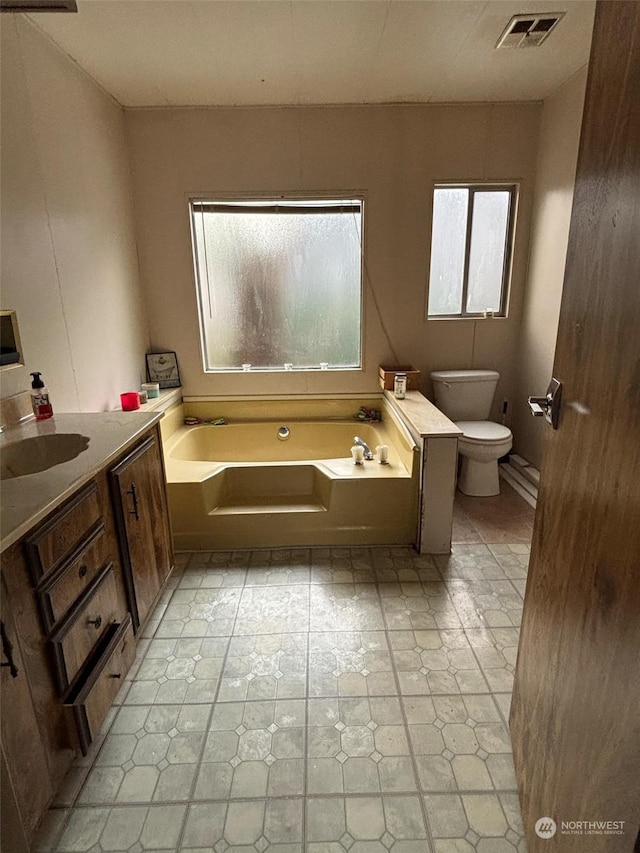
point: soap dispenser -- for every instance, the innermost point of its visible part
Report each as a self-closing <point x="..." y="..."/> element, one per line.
<point x="42" y="408"/>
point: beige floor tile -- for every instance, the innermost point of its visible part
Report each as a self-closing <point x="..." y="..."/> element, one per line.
<point x="325" y="700"/>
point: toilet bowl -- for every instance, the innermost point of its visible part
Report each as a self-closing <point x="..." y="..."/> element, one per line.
<point x="483" y="443"/>
<point x="465" y="396"/>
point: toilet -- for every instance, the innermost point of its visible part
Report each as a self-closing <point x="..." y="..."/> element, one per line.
<point x="465" y="396"/>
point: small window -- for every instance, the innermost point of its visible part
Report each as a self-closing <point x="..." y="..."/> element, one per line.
<point x="471" y="242"/>
<point x="279" y="283"/>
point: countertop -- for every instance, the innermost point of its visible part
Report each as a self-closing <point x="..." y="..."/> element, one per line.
<point x="423" y="418"/>
<point x="25" y="501"/>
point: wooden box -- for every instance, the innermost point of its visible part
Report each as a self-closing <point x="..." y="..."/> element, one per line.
<point x="387" y="375"/>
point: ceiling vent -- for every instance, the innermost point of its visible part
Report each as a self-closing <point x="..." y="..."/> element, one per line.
<point x="38" y="6"/>
<point x="528" y="30"/>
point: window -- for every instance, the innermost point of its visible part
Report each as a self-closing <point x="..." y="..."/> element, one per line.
<point x="279" y="283"/>
<point x="471" y="242"/>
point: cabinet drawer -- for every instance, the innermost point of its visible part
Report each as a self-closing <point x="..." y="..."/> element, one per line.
<point x="87" y="703"/>
<point x="48" y="546"/>
<point x="59" y="589"/>
<point x="81" y="631"/>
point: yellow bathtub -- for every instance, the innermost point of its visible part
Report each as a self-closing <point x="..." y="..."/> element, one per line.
<point x="241" y="486"/>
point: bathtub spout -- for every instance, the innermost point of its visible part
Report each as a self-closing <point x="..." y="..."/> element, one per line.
<point x="367" y="450"/>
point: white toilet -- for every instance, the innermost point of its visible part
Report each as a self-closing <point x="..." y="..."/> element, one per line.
<point x="465" y="396"/>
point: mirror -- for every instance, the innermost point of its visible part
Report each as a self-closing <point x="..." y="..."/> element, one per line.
<point x="10" y="349"/>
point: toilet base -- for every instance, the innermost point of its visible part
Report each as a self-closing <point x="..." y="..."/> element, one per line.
<point x="479" y="479"/>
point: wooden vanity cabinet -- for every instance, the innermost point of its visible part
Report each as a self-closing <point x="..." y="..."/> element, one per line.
<point x="140" y="503"/>
<point x="74" y="588"/>
<point x="27" y="786"/>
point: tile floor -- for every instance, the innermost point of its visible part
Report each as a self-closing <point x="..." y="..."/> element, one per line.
<point x="503" y="519"/>
<point x="325" y="700"/>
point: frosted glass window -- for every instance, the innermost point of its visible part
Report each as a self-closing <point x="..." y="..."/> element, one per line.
<point x="471" y="241"/>
<point x="487" y="252"/>
<point x="448" y="239"/>
<point x="279" y="283"/>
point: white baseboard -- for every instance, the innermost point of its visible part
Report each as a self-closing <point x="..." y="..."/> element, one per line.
<point x="511" y="476"/>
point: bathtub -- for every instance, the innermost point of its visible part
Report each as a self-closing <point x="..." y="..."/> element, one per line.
<point x="240" y="486"/>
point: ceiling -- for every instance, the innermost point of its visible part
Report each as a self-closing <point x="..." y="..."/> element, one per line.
<point x="259" y="52"/>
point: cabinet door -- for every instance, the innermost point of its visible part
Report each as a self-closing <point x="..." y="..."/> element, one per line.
<point x="27" y="783"/>
<point x="143" y="524"/>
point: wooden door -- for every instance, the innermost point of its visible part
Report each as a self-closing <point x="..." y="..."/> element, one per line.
<point x="143" y="524"/>
<point x="575" y="719"/>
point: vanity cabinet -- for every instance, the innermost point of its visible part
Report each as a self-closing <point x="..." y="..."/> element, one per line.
<point x="140" y="502"/>
<point x="26" y="782"/>
<point x="75" y="589"/>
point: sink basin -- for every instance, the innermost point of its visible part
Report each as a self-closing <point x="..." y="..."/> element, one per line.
<point x="32" y="455"/>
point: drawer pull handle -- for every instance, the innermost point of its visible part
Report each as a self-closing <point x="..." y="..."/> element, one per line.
<point x="134" y="496"/>
<point x="115" y="675"/>
<point x="97" y="622"/>
<point x="7" y="651"/>
<point x="82" y="571"/>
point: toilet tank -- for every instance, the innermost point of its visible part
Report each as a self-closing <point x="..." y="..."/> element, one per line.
<point x="465" y="395"/>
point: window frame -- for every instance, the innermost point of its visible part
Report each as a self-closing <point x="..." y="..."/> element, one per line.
<point x="261" y="199"/>
<point x="473" y="187"/>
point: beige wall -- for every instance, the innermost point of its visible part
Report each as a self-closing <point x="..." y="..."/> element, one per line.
<point x="393" y="154"/>
<point x="557" y="158"/>
<point x="69" y="265"/>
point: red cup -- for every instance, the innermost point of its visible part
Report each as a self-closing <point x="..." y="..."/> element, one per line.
<point x="130" y="401"/>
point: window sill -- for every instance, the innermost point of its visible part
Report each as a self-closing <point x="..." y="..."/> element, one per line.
<point x="266" y="371"/>
<point x="471" y="317"/>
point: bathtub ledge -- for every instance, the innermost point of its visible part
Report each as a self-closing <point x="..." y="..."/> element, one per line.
<point x="422" y="417"/>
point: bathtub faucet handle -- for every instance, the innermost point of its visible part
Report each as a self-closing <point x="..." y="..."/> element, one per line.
<point x="368" y="454"/>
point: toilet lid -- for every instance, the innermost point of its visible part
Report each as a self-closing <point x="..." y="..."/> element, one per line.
<point x="484" y="430"/>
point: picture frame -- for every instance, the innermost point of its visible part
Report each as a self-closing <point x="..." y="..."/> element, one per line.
<point x="162" y="367"/>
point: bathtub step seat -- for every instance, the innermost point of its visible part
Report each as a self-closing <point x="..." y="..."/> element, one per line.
<point x="267" y="489"/>
<point x="271" y="504"/>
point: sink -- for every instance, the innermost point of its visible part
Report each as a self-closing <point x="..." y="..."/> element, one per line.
<point x="32" y="455"/>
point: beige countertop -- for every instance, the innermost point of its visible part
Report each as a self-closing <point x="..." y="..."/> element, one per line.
<point x="168" y="396"/>
<point x="26" y="500"/>
<point x="422" y="416"/>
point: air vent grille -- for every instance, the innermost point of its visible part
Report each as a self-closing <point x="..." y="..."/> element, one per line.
<point x="38" y="6"/>
<point x="528" y="30"/>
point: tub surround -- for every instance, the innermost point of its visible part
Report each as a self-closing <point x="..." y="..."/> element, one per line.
<point x="25" y="501"/>
<point x="437" y="437"/>
<point x="237" y="486"/>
